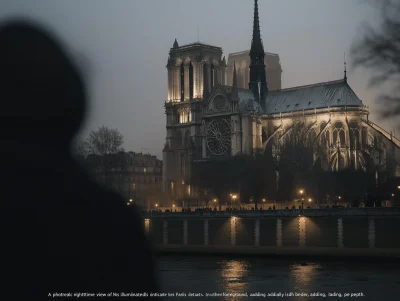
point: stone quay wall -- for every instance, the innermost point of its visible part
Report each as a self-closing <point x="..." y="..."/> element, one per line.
<point x="370" y="232"/>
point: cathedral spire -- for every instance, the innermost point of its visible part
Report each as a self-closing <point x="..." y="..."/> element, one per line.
<point x="234" y="80"/>
<point x="258" y="78"/>
<point x="176" y="45"/>
<point x="256" y="43"/>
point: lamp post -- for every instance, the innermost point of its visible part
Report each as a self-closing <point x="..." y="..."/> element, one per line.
<point x="263" y="204"/>
<point x="234" y="197"/>
<point x="309" y="200"/>
<point x="301" y="191"/>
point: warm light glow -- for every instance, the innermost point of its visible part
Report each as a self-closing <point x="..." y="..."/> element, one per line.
<point x="128" y="204"/>
<point x="263" y="200"/>
<point x="340" y="197"/>
<point x="215" y="200"/>
<point x="173" y="205"/>
<point x="234" y="196"/>
<point x="301" y="191"/>
<point x="156" y="205"/>
<point x="144" y="170"/>
<point x="310" y="200"/>
<point x="398" y="187"/>
<point x="392" y="194"/>
<point x="183" y="182"/>
<point x="130" y="201"/>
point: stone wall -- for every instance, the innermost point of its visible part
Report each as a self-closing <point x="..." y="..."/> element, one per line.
<point x="313" y="235"/>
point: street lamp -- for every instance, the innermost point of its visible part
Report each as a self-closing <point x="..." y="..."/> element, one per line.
<point x="301" y="196"/>
<point x="130" y="201"/>
<point x="233" y="197"/>
<point x="398" y="187"/>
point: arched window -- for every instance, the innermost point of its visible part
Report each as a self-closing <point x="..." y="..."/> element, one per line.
<point x="182" y="83"/>
<point x="364" y="137"/>
<point x="354" y="135"/>
<point x="339" y="137"/>
<point x="325" y="140"/>
<point x="191" y="80"/>
<point x="205" y="77"/>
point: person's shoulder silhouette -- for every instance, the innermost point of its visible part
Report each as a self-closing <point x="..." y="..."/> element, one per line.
<point x="62" y="232"/>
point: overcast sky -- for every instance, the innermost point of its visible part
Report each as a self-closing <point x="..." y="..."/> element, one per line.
<point x="127" y="44"/>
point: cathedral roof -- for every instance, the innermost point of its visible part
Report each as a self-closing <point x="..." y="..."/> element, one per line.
<point x="322" y="95"/>
<point x="329" y="94"/>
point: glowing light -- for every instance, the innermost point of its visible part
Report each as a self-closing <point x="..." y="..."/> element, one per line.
<point x="398" y="187"/>
<point x="234" y="196"/>
<point x="156" y="205"/>
<point x="263" y="200"/>
<point x="392" y="194"/>
<point x="340" y="197"/>
<point x="310" y="200"/>
<point x="128" y="204"/>
<point x="215" y="200"/>
<point x="301" y="191"/>
<point x="130" y="201"/>
<point x="173" y="205"/>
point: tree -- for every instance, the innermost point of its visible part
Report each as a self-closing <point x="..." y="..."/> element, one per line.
<point x="380" y="51"/>
<point x="106" y="144"/>
<point x="105" y="141"/>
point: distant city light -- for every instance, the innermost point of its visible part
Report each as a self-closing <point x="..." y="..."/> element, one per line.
<point x="215" y="200"/>
<point x="130" y="201"/>
<point x="263" y="200"/>
<point x="156" y="205"/>
<point x="310" y="200"/>
<point x="301" y="191"/>
<point x="173" y="205"/>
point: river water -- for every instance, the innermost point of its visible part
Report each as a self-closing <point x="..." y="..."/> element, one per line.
<point x="261" y="278"/>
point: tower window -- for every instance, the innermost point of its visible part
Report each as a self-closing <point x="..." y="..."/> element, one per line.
<point x="191" y="80"/>
<point x="182" y="83"/>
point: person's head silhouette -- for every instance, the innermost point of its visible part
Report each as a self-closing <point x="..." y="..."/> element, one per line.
<point x="43" y="97"/>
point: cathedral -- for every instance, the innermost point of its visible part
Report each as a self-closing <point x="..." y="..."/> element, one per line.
<point x="208" y="119"/>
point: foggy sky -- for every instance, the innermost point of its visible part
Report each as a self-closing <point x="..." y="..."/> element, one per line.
<point x="125" y="44"/>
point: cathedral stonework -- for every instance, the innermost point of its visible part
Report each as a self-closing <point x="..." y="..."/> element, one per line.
<point x="207" y="119"/>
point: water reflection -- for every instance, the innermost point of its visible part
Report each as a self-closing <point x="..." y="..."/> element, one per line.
<point x="209" y="274"/>
<point x="303" y="276"/>
<point x="234" y="274"/>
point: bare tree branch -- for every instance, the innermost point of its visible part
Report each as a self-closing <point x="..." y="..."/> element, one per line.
<point x="379" y="49"/>
<point x="105" y="141"/>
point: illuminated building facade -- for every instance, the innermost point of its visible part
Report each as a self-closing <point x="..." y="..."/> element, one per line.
<point x="207" y="119"/>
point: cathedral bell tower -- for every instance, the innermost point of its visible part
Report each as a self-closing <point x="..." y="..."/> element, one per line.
<point x="193" y="70"/>
<point x="258" y="81"/>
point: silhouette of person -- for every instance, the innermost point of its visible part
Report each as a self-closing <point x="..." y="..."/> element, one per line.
<point x="61" y="231"/>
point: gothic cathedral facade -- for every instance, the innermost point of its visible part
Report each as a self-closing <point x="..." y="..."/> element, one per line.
<point x="207" y="119"/>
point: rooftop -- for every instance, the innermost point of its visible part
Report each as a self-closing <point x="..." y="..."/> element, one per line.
<point x="248" y="51"/>
<point x="195" y="45"/>
<point x="321" y="95"/>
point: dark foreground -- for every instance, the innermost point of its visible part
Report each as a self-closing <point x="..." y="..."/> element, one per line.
<point x="366" y="280"/>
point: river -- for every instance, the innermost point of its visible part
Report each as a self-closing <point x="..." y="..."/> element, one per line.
<point x="276" y="278"/>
